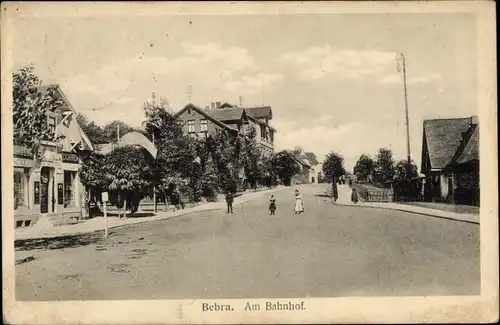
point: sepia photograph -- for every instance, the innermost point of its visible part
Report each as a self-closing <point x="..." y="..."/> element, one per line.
<point x="272" y="162"/>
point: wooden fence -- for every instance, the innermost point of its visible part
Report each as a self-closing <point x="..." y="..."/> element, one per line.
<point x="367" y="194"/>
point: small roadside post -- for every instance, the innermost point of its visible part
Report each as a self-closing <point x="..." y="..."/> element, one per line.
<point x="105" y="199"/>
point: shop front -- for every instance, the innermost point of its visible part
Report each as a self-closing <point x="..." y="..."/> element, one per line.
<point x="47" y="188"/>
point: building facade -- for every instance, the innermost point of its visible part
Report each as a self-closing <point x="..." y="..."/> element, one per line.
<point x="450" y="160"/>
<point x="236" y="120"/>
<point x="47" y="189"/>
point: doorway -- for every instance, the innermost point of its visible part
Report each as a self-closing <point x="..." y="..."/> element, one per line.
<point x="313" y="180"/>
<point x="44" y="189"/>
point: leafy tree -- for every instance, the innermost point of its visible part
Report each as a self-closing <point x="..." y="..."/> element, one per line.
<point x="383" y="168"/>
<point x="225" y="150"/>
<point x="95" y="133"/>
<point x="363" y="167"/>
<point x="30" y="106"/>
<point x="176" y="162"/>
<point x="405" y="172"/>
<point x="252" y="159"/>
<point x="110" y="130"/>
<point x="285" y="166"/>
<point x="333" y="166"/>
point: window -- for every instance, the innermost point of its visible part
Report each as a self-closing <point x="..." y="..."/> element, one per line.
<point x="202" y="134"/>
<point x="19" y="188"/>
<point x="51" y="121"/>
<point x="191" y="126"/>
<point x="68" y="188"/>
<point x="262" y="132"/>
<point x="203" y="125"/>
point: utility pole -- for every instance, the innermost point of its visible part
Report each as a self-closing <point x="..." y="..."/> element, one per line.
<point x="401" y="58"/>
<point x="189" y="92"/>
<point x="154" y="186"/>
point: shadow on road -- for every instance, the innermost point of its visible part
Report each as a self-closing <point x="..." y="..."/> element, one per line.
<point x="58" y="242"/>
<point x="323" y="195"/>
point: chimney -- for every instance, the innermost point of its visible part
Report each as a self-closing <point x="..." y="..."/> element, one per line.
<point x="474" y="120"/>
<point x="212" y="105"/>
<point x="217" y="104"/>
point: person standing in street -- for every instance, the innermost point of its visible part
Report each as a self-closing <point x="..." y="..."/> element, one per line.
<point x="229" y="201"/>
<point x="299" y="202"/>
<point x="335" y="191"/>
<point x="272" y="204"/>
<point x="354" y="196"/>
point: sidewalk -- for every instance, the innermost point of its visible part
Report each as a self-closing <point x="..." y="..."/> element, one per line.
<point x="345" y="199"/>
<point x="39" y="231"/>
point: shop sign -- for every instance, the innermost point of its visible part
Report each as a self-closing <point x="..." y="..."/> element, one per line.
<point x="22" y="162"/>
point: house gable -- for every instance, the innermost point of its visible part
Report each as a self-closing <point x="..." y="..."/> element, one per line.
<point x="67" y="124"/>
<point x="442" y="140"/>
<point x="205" y="114"/>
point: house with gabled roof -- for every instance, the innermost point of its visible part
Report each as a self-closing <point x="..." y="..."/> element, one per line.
<point x="47" y="188"/>
<point x="316" y="172"/>
<point x="450" y="160"/>
<point x="236" y="120"/>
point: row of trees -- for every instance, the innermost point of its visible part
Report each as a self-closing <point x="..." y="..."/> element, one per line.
<point x="195" y="167"/>
<point x="384" y="169"/>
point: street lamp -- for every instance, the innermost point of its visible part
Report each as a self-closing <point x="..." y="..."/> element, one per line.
<point x="401" y="61"/>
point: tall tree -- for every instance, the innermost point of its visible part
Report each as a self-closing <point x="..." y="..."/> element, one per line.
<point x="404" y="171"/>
<point x="285" y="166"/>
<point x="226" y="150"/>
<point x="333" y="168"/>
<point x="177" y="153"/>
<point x="95" y="132"/>
<point x="30" y="106"/>
<point x="112" y="128"/>
<point x="383" y="168"/>
<point x="363" y="167"/>
<point x="252" y="158"/>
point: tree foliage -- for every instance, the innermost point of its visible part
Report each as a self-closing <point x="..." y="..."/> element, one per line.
<point x="333" y="166"/>
<point x="284" y="166"/>
<point x="252" y="158"/>
<point x="30" y="107"/>
<point x="226" y="150"/>
<point x="405" y="172"/>
<point x="363" y="167"/>
<point x="383" y="167"/>
<point x="93" y="131"/>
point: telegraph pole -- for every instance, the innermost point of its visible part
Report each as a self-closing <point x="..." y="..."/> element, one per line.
<point x="189" y="92"/>
<point x="401" y="58"/>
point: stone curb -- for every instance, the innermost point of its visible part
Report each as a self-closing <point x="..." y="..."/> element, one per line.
<point x="410" y="211"/>
<point x="183" y="213"/>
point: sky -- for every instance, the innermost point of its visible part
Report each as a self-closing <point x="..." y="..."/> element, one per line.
<point x="331" y="79"/>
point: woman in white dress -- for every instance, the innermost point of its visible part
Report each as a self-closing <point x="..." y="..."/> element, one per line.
<point x="299" y="202"/>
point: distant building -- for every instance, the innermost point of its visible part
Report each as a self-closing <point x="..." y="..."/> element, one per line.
<point x="236" y="120"/>
<point x="450" y="160"/>
<point x="316" y="172"/>
<point x="49" y="188"/>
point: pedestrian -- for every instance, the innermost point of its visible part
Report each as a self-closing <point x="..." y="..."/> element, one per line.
<point x="272" y="204"/>
<point x="299" y="202"/>
<point x="229" y="201"/>
<point x="354" y="196"/>
<point x="335" y="192"/>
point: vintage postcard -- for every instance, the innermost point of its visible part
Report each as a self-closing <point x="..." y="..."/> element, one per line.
<point x="249" y="162"/>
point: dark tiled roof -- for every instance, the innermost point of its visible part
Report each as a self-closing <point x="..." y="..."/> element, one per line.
<point x="470" y="150"/>
<point x="444" y="137"/>
<point x="312" y="158"/>
<point x="226" y="114"/>
<point x="206" y="114"/>
<point x="260" y="112"/>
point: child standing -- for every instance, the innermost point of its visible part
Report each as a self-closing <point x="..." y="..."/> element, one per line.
<point x="272" y="204"/>
<point x="229" y="201"/>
